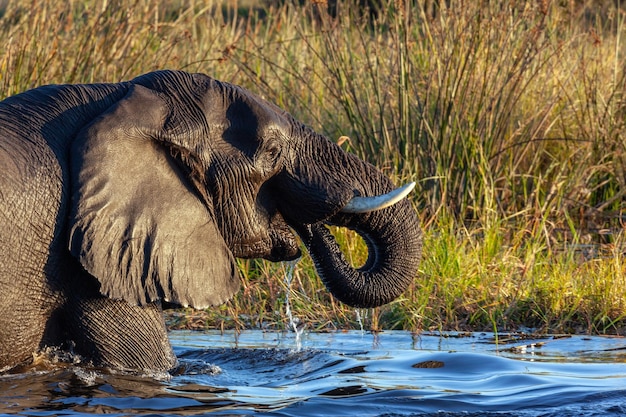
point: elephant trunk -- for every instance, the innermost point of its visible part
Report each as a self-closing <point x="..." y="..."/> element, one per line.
<point x="323" y="185"/>
<point x="393" y="239"/>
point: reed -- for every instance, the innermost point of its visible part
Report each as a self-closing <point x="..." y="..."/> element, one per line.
<point x="510" y="116"/>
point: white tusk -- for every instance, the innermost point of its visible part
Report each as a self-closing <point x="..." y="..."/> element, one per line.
<point x="367" y="204"/>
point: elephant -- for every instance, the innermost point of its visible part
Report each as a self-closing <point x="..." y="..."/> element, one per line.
<point x="116" y="198"/>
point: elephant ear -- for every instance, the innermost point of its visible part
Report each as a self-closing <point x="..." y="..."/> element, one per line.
<point x="136" y="223"/>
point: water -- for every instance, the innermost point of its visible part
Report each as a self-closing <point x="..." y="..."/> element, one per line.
<point x="344" y="374"/>
<point x="293" y="321"/>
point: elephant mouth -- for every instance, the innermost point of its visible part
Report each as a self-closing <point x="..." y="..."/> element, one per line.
<point x="285" y="246"/>
<point x="280" y="245"/>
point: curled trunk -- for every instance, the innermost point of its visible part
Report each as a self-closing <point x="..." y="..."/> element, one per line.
<point x="394" y="242"/>
<point x="320" y="187"/>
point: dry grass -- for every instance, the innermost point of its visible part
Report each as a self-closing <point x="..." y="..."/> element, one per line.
<point x="509" y="115"/>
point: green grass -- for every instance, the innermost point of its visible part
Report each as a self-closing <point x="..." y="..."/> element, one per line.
<point x="511" y="117"/>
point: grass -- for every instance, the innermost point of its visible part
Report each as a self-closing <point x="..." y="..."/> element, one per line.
<point x="509" y="115"/>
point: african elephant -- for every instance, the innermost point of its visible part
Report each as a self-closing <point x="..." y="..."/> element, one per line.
<point x="117" y="197"/>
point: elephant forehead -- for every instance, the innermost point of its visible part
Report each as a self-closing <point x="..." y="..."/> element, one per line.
<point x="225" y="102"/>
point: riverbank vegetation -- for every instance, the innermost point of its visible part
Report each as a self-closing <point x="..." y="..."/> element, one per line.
<point x="509" y="115"/>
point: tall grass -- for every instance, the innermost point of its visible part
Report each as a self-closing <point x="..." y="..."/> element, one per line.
<point x="510" y="116"/>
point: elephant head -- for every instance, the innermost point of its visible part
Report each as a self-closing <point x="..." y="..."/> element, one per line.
<point x="185" y="173"/>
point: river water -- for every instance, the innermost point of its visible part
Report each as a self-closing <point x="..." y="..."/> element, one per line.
<point x="343" y="374"/>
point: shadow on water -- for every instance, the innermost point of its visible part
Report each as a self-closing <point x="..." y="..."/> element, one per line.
<point x="344" y="374"/>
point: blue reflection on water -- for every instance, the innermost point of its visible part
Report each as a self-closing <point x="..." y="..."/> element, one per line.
<point x="345" y="374"/>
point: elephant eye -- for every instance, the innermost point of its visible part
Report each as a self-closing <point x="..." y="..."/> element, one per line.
<point x="273" y="152"/>
<point x="273" y="157"/>
<point x="270" y="151"/>
<point x="268" y="160"/>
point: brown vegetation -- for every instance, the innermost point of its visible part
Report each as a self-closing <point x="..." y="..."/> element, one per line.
<point x="509" y="115"/>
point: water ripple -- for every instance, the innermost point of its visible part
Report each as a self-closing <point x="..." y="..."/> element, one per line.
<point x="344" y="374"/>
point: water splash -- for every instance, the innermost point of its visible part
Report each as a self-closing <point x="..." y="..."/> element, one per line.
<point x="294" y="322"/>
<point x="359" y="319"/>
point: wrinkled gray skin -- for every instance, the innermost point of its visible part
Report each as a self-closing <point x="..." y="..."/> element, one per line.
<point x="116" y="197"/>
